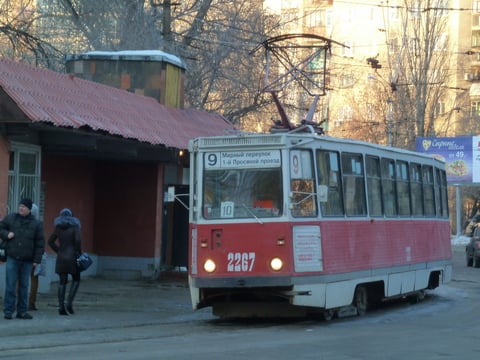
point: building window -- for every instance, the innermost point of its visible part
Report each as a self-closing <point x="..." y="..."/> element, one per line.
<point x="393" y="13"/>
<point x="346" y="80"/>
<point x="439" y="109"/>
<point x="476" y="6"/>
<point x="315" y="19"/>
<point x="475" y="38"/>
<point x="347" y="50"/>
<point x="345" y="113"/>
<point x="23" y="174"/>
<point x="442" y="8"/>
<point x="393" y="45"/>
<point x="475" y="108"/>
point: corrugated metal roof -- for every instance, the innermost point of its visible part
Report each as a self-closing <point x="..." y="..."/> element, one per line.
<point x="67" y="101"/>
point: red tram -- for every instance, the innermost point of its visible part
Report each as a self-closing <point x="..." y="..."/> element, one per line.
<point x="290" y="223"/>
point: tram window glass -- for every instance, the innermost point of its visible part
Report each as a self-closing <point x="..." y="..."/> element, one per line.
<point x="416" y="189"/>
<point x="443" y="192"/>
<point x="389" y="187"/>
<point x="403" y="191"/>
<point x="428" y="190"/>
<point x="302" y="184"/>
<point x="242" y="193"/>
<point x="353" y="184"/>
<point x="374" y="186"/>
<point x="328" y="165"/>
<point x="437" y="191"/>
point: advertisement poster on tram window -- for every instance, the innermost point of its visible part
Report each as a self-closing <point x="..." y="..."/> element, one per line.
<point x="461" y="155"/>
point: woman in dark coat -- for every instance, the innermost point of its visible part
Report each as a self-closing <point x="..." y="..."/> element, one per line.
<point x="66" y="242"/>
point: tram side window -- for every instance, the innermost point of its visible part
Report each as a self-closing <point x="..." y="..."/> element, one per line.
<point x="389" y="187"/>
<point x="442" y="183"/>
<point x="403" y="190"/>
<point x="428" y="190"/>
<point x="302" y="184"/>
<point x="374" y="186"/>
<point x="353" y="184"/>
<point x="416" y="189"/>
<point x="328" y="164"/>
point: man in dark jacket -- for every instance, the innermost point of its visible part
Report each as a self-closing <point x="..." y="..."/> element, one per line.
<point x="25" y="245"/>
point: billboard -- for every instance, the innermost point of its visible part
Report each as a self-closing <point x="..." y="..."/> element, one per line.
<point x="461" y="155"/>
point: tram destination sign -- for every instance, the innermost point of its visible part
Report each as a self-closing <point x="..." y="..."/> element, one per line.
<point x="461" y="155"/>
<point x="242" y="159"/>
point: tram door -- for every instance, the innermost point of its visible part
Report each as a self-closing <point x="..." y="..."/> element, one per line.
<point x="175" y="234"/>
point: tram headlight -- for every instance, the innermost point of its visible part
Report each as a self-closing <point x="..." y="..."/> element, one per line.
<point x="276" y="264"/>
<point x="209" y="266"/>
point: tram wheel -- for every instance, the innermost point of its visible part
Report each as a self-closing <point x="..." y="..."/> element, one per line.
<point x="476" y="262"/>
<point x="417" y="297"/>
<point x="469" y="260"/>
<point x="329" y="314"/>
<point x="360" y="300"/>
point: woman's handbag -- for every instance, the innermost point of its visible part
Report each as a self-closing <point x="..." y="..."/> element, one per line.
<point x="84" y="261"/>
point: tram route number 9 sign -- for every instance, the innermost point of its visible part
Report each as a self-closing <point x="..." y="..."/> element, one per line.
<point x="242" y="159"/>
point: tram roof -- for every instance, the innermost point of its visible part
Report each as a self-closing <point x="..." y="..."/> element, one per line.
<point x="247" y="141"/>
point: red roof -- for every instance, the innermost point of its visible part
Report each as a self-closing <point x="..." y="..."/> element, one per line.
<point x="64" y="100"/>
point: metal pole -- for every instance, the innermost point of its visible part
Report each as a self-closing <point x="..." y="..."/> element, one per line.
<point x="458" y="206"/>
<point x="389" y="122"/>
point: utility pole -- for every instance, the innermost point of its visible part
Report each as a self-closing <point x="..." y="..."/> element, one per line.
<point x="167" y="24"/>
<point x="375" y="64"/>
<point x="390" y="121"/>
<point x="167" y="36"/>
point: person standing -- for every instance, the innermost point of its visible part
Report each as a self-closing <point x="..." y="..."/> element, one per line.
<point x="66" y="242"/>
<point x="25" y="245"/>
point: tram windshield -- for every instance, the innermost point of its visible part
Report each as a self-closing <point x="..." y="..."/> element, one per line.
<point x="243" y="192"/>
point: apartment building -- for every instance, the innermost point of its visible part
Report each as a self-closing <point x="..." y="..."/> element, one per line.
<point x="379" y="65"/>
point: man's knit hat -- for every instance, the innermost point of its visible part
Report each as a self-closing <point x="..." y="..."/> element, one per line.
<point x="27" y="202"/>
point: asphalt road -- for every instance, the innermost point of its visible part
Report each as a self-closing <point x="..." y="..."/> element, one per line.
<point x="153" y="320"/>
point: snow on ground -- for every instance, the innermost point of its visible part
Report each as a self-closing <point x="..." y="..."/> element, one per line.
<point x="460" y="240"/>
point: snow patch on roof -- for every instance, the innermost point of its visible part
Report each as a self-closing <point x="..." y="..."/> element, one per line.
<point x="130" y="55"/>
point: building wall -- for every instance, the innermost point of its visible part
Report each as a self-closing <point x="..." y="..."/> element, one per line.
<point x="146" y="75"/>
<point x="4" y="164"/>
<point x="128" y="217"/>
<point x="125" y="209"/>
<point x="69" y="183"/>
<point x="117" y="204"/>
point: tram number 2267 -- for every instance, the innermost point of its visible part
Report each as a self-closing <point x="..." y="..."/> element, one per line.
<point x="240" y="261"/>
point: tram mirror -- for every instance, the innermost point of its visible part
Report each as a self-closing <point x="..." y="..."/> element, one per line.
<point x="170" y="194"/>
<point x="322" y="192"/>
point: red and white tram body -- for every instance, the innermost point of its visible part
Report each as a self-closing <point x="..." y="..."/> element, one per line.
<point x="288" y="223"/>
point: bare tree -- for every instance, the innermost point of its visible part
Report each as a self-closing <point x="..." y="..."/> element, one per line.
<point x="223" y="77"/>
<point x="418" y="62"/>
<point x="407" y="83"/>
<point x="213" y="37"/>
<point x="18" y="37"/>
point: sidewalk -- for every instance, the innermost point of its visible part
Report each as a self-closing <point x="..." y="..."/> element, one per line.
<point x="104" y="303"/>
